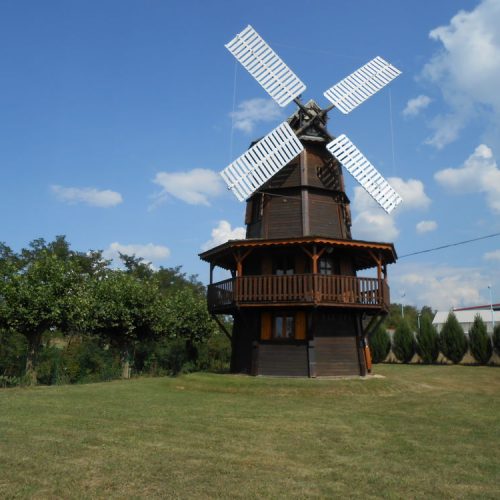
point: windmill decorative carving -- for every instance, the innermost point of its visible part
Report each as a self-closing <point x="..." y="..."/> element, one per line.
<point x="299" y="307"/>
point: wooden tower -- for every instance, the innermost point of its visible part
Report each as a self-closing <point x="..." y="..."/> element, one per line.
<point x="298" y="304"/>
<point x="299" y="307"/>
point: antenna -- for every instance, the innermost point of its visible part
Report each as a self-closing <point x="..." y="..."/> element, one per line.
<point x="262" y="161"/>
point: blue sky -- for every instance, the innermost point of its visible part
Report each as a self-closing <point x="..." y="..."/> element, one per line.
<point x="116" y="116"/>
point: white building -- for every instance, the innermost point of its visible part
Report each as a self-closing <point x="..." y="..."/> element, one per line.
<point x="466" y="315"/>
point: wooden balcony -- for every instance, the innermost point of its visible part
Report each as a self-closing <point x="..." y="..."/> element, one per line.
<point x="298" y="290"/>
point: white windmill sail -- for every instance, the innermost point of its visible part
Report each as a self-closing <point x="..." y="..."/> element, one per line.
<point x="277" y="79"/>
<point x="255" y="167"/>
<point x="364" y="172"/>
<point x="353" y="90"/>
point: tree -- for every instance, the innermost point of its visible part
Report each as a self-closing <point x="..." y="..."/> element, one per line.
<point x="496" y="338"/>
<point x="127" y="310"/>
<point x="380" y="344"/>
<point x="427" y="340"/>
<point x="403" y="342"/>
<point x="452" y="339"/>
<point x="479" y="341"/>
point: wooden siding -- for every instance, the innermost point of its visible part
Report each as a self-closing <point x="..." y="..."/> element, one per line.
<point x="285" y="360"/>
<point x="336" y="356"/>
<point x="325" y="217"/>
<point x="283" y="216"/>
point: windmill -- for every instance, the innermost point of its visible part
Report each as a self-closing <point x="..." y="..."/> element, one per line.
<point x="257" y="165"/>
<point x="298" y="305"/>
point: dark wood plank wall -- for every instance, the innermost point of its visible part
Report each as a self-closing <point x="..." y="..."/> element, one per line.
<point x="245" y="331"/>
<point x="336" y="356"/>
<point x="286" y="360"/>
<point x="283" y="216"/>
<point x="324" y="217"/>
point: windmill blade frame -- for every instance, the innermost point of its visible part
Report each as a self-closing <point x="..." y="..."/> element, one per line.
<point x="270" y="71"/>
<point x="364" y="172"/>
<point x="257" y="165"/>
<point x="359" y="86"/>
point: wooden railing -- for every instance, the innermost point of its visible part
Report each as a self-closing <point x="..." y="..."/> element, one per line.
<point x="298" y="289"/>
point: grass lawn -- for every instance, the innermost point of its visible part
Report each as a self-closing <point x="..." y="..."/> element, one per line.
<point x="419" y="432"/>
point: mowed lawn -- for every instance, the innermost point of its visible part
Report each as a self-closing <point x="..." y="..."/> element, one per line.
<point x="419" y="432"/>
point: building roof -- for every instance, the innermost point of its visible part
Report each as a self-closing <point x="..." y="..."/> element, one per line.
<point x="467" y="315"/>
<point x="363" y="251"/>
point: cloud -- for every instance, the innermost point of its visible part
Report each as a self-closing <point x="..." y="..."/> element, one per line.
<point x="90" y="196"/>
<point x="494" y="255"/>
<point x="441" y="287"/>
<point x="426" y="226"/>
<point x="194" y="187"/>
<point x="372" y="223"/>
<point x="149" y="252"/>
<point x="417" y="104"/>
<point x="253" y="111"/>
<point x="466" y="68"/>
<point x="479" y="174"/>
<point x="223" y="233"/>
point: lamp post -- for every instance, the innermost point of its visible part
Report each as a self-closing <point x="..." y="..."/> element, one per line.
<point x="403" y="294"/>
<point x="492" y="313"/>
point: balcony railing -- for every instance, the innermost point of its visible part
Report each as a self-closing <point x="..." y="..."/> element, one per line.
<point x="297" y="289"/>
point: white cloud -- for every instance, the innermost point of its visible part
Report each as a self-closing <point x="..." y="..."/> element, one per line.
<point x="417" y="104"/>
<point x="479" y="174"/>
<point x="253" y="111"/>
<point x="441" y="287"/>
<point x="149" y="252"/>
<point x="374" y="225"/>
<point x="90" y="196"/>
<point x="467" y="69"/>
<point x="194" y="187"/>
<point x="426" y="226"/>
<point x="223" y="233"/>
<point x="494" y="255"/>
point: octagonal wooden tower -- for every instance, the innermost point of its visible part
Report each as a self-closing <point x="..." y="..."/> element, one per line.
<point x="298" y="304"/>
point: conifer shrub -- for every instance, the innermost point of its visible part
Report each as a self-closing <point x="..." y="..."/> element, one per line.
<point x="427" y="341"/>
<point x="380" y="344"/>
<point x="496" y="339"/>
<point x="403" y="342"/>
<point x="452" y="340"/>
<point x="479" y="341"/>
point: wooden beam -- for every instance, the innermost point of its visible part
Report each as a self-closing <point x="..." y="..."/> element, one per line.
<point x="222" y="326"/>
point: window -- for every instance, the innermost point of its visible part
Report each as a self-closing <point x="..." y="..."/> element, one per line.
<point x="284" y="326"/>
<point x="327" y="265"/>
<point x="283" y="264"/>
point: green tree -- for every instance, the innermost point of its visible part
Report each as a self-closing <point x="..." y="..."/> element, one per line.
<point x="403" y="342"/>
<point x="479" y="341"/>
<point x="427" y="340"/>
<point x="452" y="339"/>
<point x="380" y="344"/>
<point x="496" y="338"/>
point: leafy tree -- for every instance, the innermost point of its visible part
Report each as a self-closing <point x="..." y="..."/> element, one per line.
<point x="380" y="344"/>
<point x="403" y="343"/>
<point x="452" y="339"/>
<point x="427" y="340"/>
<point x="496" y="338"/>
<point x="127" y="310"/>
<point x="479" y="341"/>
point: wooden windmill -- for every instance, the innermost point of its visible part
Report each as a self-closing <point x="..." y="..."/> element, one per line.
<point x="299" y="307"/>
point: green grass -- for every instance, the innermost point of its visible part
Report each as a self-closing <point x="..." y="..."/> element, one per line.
<point x="419" y="432"/>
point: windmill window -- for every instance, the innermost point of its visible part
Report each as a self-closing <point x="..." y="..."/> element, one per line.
<point x="328" y="265"/>
<point x="283" y="265"/>
<point x="283" y="326"/>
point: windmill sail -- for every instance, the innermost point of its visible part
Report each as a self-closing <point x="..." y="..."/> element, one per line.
<point x="353" y="90"/>
<point x="364" y="172"/>
<point x="255" y="167"/>
<point x="277" y="79"/>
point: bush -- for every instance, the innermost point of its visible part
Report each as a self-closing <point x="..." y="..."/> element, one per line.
<point x="403" y="344"/>
<point x="452" y="340"/>
<point x="496" y="339"/>
<point x="427" y="341"/>
<point x="479" y="341"/>
<point x="380" y="344"/>
<point x="13" y="347"/>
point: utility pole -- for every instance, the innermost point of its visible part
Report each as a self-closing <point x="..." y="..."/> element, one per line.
<point x="492" y="312"/>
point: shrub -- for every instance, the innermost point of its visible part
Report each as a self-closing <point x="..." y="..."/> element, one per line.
<point x="403" y="344"/>
<point x="496" y="339"/>
<point x="427" y="341"/>
<point x="479" y="341"/>
<point x="452" y="340"/>
<point x="380" y="344"/>
<point x="13" y="347"/>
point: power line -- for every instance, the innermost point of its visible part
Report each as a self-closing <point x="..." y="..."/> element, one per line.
<point x="450" y="245"/>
